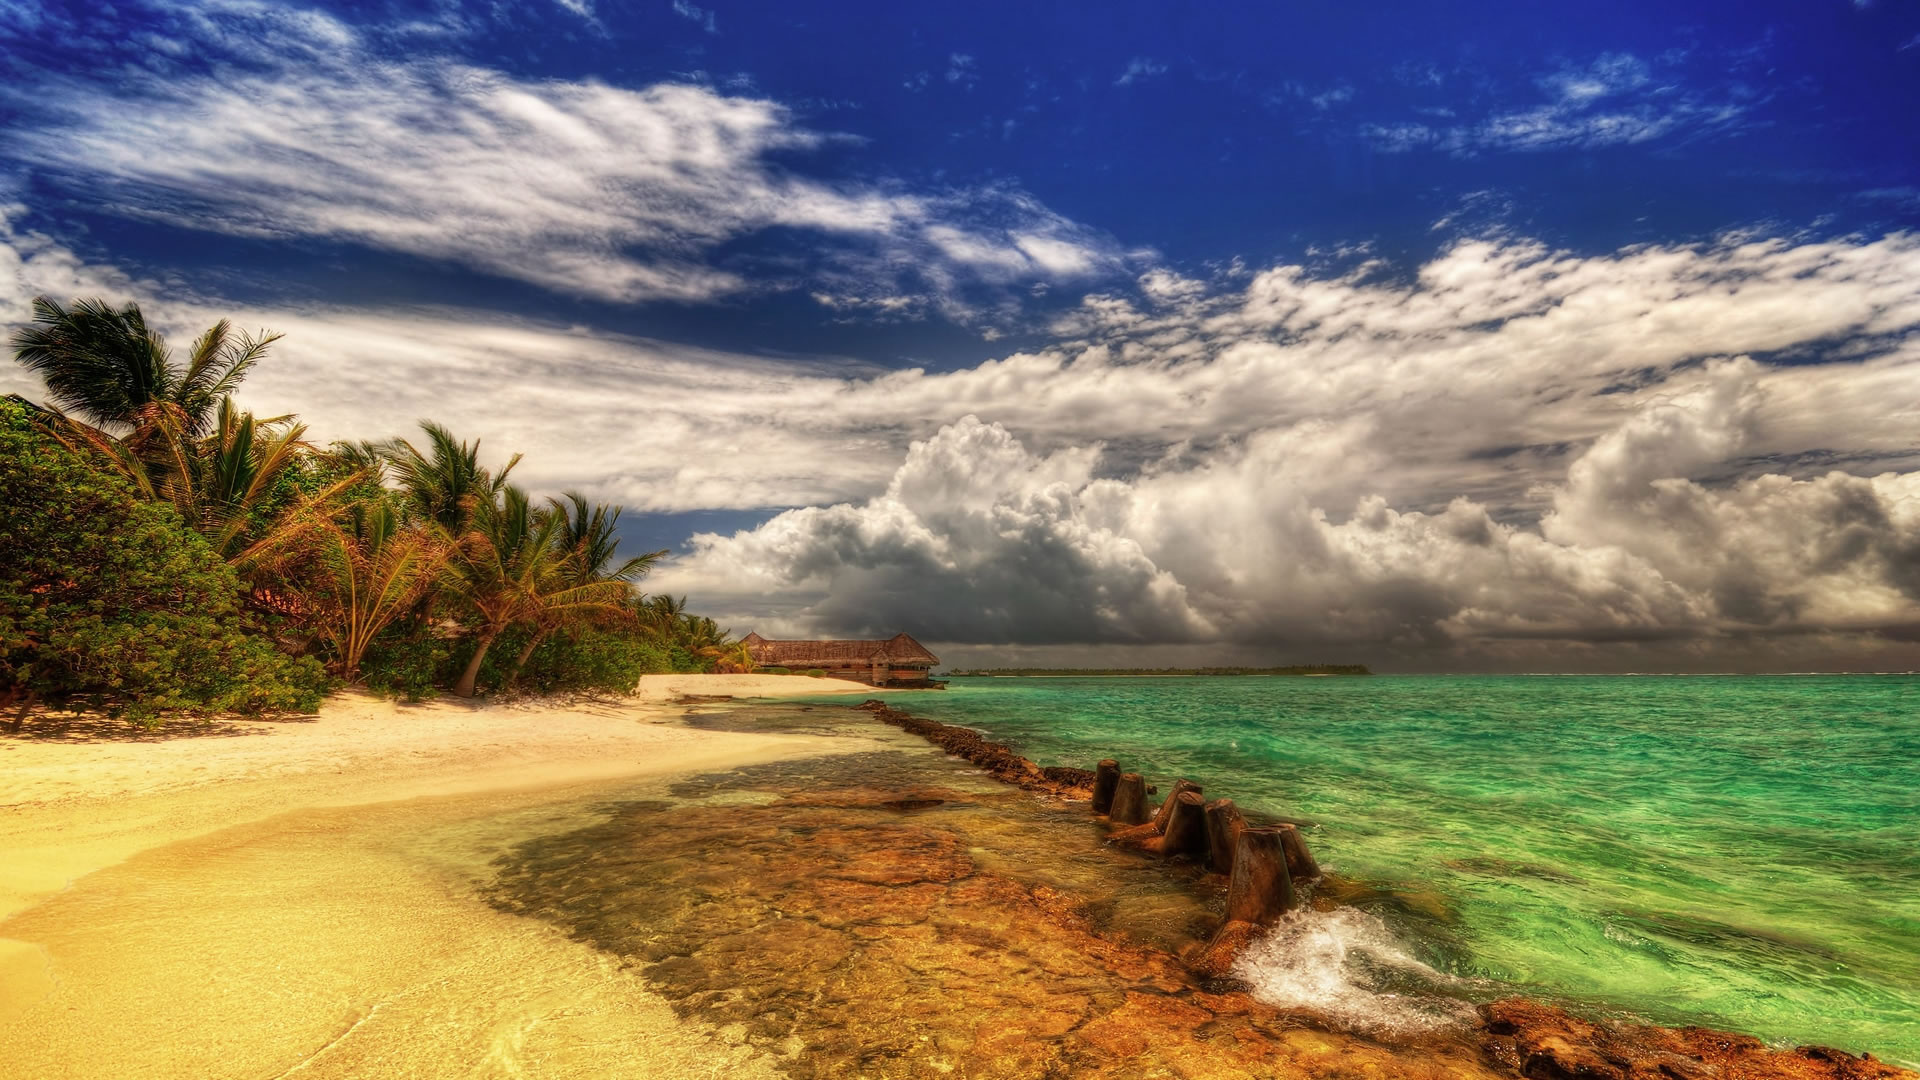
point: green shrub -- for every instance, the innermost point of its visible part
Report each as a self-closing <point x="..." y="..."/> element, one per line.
<point x="779" y="671"/>
<point x="408" y="663"/>
<point x="583" y="660"/>
<point x="112" y="599"/>
<point x="816" y="673"/>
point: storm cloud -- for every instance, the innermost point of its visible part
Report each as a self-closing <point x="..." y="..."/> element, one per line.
<point x="979" y="539"/>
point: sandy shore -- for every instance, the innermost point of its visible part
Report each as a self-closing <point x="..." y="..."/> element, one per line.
<point x="118" y="853"/>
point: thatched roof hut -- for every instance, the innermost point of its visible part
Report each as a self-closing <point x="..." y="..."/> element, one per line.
<point x="898" y="659"/>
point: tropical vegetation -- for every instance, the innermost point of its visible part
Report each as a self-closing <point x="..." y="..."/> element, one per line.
<point x="163" y="550"/>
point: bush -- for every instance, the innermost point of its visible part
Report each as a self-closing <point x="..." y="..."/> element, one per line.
<point x="779" y="671"/>
<point x="113" y="599"/>
<point x="407" y="662"/>
<point x="584" y="660"/>
<point x="816" y="673"/>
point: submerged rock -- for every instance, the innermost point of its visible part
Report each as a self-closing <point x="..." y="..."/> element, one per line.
<point x="1547" y="1043"/>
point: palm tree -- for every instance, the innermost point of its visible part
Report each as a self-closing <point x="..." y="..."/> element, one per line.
<point x="734" y="657"/>
<point x="586" y="543"/>
<point x="244" y="462"/>
<point x="354" y="573"/>
<point x="173" y="431"/>
<point x="447" y="484"/>
<point x="590" y="538"/>
<point x="661" y="615"/>
<point x="108" y="366"/>
<point x="508" y="570"/>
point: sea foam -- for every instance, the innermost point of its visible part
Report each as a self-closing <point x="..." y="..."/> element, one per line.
<point x="1347" y="966"/>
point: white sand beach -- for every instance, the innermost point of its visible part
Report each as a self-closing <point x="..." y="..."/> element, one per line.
<point x="293" y="897"/>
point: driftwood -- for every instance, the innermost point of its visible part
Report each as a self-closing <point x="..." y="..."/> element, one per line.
<point x="1259" y="892"/>
<point x="1300" y="862"/>
<point x="1166" y="808"/>
<point x="1223" y="834"/>
<point x="1129" y="800"/>
<point x="1106" y="778"/>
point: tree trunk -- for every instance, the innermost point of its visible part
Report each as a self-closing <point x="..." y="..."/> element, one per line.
<point x="1106" y="779"/>
<point x="26" y="699"/>
<point x="513" y="677"/>
<point x="1130" y="800"/>
<point x="1223" y="834"/>
<point x="465" y="687"/>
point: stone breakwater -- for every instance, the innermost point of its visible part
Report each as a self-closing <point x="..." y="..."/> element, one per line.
<point x="999" y="761"/>
<point x="1531" y="1039"/>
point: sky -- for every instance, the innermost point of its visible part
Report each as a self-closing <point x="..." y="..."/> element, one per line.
<point x="1436" y="337"/>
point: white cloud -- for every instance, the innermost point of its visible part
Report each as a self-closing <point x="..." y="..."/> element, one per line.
<point x="704" y="16"/>
<point x="1139" y="69"/>
<point x="1615" y="99"/>
<point x="976" y="538"/>
<point x="579" y="187"/>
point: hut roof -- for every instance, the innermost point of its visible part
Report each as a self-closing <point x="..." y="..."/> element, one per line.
<point x="899" y="649"/>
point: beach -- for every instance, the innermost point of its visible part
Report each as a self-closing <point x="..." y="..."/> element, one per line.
<point x="723" y="875"/>
<point x="303" y="880"/>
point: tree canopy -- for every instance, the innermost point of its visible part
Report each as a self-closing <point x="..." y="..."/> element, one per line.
<point x="167" y="550"/>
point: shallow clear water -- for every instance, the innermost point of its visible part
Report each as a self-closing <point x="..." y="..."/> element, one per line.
<point x="1742" y="852"/>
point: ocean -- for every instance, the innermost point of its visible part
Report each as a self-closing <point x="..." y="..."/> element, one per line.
<point x="1732" y="851"/>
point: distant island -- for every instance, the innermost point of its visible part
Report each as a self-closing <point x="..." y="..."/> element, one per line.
<point x="1055" y="673"/>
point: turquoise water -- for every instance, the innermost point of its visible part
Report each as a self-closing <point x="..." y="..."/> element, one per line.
<point x="1741" y="852"/>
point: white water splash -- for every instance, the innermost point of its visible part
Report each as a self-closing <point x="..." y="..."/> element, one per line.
<point x="1346" y="965"/>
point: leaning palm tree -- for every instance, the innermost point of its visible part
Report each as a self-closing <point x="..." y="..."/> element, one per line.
<point x="508" y="572"/>
<point x="586" y="543"/>
<point x="105" y="365"/>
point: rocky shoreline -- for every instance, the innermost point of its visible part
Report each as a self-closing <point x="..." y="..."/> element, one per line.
<point x="1516" y="1036"/>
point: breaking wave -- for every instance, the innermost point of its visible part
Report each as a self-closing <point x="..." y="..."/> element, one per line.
<point x="1347" y="966"/>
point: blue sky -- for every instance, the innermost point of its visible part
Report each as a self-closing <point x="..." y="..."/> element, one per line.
<point x="954" y="318"/>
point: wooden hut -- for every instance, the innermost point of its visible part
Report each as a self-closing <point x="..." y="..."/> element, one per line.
<point x="897" y="661"/>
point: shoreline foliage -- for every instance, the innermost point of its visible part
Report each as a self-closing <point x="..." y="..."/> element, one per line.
<point x="166" y="551"/>
<point x="113" y="601"/>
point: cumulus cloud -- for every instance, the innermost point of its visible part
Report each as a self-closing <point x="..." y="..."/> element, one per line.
<point x="978" y="539"/>
<point x="579" y="187"/>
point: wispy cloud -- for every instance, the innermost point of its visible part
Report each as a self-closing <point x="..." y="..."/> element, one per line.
<point x="1616" y="99"/>
<point x="704" y="16"/>
<point x="579" y="187"/>
<point x="1138" y="69"/>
